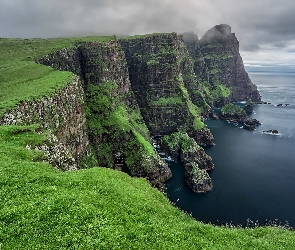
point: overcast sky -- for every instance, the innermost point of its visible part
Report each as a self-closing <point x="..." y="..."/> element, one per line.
<point x="265" y="28"/>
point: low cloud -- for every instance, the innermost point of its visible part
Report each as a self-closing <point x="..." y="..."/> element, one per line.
<point x="258" y="25"/>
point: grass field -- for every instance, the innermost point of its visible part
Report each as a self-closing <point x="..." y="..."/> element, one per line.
<point x="21" y="78"/>
<point x="44" y="208"/>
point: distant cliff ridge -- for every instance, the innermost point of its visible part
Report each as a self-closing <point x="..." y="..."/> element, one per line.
<point x="128" y="90"/>
<point x="219" y="48"/>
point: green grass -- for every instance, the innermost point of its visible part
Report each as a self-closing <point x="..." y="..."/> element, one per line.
<point x="146" y="35"/>
<point x="172" y="100"/>
<point x="44" y="208"/>
<point x="232" y="109"/>
<point x="197" y="123"/>
<point x="21" y="78"/>
<point x="219" y="91"/>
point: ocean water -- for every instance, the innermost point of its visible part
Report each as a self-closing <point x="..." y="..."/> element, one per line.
<point x="254" y="175"/>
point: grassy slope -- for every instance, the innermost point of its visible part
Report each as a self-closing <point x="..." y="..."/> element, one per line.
<point x="43" y="208"/>
<point x="21" y="78"/>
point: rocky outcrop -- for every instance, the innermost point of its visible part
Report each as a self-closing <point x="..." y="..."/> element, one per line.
<point x="193" y="158"/>
<point x="197" y="179"/>
<point x="249" y="107"/>
<point x="271" y="131"/>
<point x="220" y="49"/>
<point x="217" y="60"/>
<point x="235" y="114"/>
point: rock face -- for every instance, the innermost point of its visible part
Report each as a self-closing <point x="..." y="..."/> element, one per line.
<point x="168" y="92"/>
<point x="64" y="115"/>
<point x="193" y="157"/>
<point x="220" y="49"/>
<point x="217" y="60"/>
<point x="156" y="78"/>
<point x="116" y="130"/>
<point x="126" y="91"/>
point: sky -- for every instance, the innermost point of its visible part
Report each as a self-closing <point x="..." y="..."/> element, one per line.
<point x="265" y="28"/>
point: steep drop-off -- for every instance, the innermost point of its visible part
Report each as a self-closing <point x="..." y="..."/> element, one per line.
<point x="154" y="63"/>
<point x="126" y="91"/>
<point x="170" y="96"/>
<point x="160" y="80"/>
<point x="64" y="116"/>
<point x="117" y="133"/>
<point x="219" y="49"/>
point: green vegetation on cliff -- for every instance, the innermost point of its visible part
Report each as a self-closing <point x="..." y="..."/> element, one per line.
<point x="108" y="119"/>
<point x="197" y="123"/>
<point x="178" y="141"/>
<point x="99" y="208"/>
<point x="232" y="109"/>
<point x="21" y="78"/>
<point x="45" y="208"/>
<point x="219" y="91"/>
<point x="160" y="72"/>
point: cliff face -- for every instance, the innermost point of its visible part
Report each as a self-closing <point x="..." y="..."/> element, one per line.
<point x="217" y="60"/>
<point x="126" y="91"/>
<point x="220" y="49"/>
<point x="166" y="88"/>
<point x="163" y="88"/>
<point x="64" y="116"/>
<point x="117" y="133"/>
<point x="156" y="79"/>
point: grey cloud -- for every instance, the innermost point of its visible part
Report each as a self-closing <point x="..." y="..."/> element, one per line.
<point x="257" y="24"/>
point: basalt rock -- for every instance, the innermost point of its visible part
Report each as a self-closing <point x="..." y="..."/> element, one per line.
<point x="220" y="49"/>
<point x="219" y="62"/>
<point x="203" y="137"/>
<point x="193" y="158"/>
<point x="271" y="131"/>
<point x="235" y="114"/>
<point x="197" y="179"/>
<point x="159" y="69"/>
<point x="117" y="132"/>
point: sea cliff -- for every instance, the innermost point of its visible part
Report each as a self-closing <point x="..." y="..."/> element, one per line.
<point x="126" y="91"/>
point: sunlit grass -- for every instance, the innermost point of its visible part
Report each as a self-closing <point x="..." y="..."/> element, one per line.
<point x="44" y="208"/>
<point x="23" y="79"/>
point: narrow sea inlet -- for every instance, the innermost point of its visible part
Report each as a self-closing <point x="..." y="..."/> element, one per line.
<point x="254" y="175"/>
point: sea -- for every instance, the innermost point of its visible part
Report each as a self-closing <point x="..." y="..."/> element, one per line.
<point x="254" y="175"/>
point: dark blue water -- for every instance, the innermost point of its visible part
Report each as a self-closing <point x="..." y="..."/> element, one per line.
<point x="254" y="175"/>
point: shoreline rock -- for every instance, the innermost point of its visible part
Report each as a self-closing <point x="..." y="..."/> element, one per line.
<point x="271" y="131"/>
<point x="193" y="157"/>
<point x="234" y="114"/>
